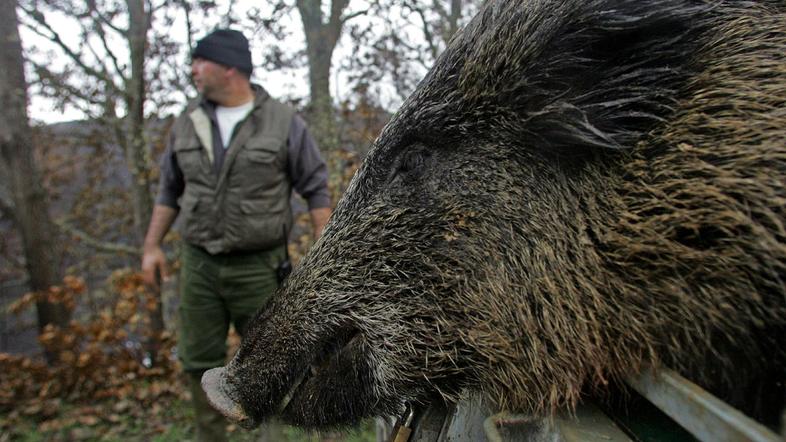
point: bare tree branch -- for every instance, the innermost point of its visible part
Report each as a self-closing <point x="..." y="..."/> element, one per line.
<point x="47" y="75"/>
<point x="103" y="19"/>
<point x="353" y="15"/>
<point x="426" y="28"/>
<point x="189" y="27"/>
<point x="96" y="243"/>
<point x="100" y="66"/>
<point x="102" y="36"/>
<point x="55" y="38"/>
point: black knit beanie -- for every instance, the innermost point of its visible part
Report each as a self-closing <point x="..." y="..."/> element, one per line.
<point x="227" y="47"/>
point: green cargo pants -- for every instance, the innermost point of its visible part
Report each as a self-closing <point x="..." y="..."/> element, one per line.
<point x="216" y="290"/>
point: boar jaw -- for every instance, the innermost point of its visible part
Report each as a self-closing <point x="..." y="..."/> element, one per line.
<point x="334" y="357"/>
<point x="329" y="359"/>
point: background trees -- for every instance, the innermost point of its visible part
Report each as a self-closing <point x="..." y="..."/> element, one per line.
<point x="119" y="73"/>
<point x="24" y="198"/>
<point x="103" y="68"/>
<point x="76" y="196"/>
<point x="400" y="42"/>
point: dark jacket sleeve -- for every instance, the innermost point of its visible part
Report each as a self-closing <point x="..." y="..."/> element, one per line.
<point x="306" y="168"/>
<point x="171" y="182"/>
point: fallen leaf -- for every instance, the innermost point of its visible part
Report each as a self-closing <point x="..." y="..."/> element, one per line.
<point x="89" y="420"/>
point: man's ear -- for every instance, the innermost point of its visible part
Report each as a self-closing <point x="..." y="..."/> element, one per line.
<point x="233" y="72"/>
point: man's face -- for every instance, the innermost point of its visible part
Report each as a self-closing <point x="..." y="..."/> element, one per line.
<point x="209" y="77"/>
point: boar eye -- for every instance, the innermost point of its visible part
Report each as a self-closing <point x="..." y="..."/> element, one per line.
<point x="412" y="161"/>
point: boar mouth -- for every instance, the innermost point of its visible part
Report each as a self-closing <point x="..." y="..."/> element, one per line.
<point x="331" y="351"/>
<point x="222" y="395"/>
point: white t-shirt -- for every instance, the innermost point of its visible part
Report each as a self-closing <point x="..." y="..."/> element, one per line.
<point x="228" y="117"/>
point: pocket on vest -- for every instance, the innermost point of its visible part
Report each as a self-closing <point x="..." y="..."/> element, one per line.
<point x="257" y="168"/>
<point x="260" y="156"/>
<point x="190" y="159"/>
<point x="197" y="223"/>
<point x="262" y="207"/>
<point x="264" y="220"/>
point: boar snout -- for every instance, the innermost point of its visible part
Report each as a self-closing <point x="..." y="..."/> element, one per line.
<point x="219" y="394"/>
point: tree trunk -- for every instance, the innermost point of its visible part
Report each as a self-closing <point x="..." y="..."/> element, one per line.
<point x="321" y="116"/>
<point x="321" y="38"/>
<point x="30" y="211"/>
<point x="453" y="19"/>
<point x="137" y="152"/>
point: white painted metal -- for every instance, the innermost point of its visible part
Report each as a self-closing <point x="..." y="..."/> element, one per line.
<point x="703" y="415"/>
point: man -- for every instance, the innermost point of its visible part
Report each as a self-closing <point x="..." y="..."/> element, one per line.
<point x="232" y="159"/>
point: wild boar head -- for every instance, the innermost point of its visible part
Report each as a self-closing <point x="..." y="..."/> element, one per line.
<point x="577" y="188"/>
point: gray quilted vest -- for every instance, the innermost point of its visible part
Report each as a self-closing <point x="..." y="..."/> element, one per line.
<point x="246" y="205"/>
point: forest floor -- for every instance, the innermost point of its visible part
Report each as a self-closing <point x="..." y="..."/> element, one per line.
<point x="102" y="387"/>
<point x="168" y="420"/>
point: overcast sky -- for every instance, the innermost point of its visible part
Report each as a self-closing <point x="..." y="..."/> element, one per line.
<point x="282" y="84"/>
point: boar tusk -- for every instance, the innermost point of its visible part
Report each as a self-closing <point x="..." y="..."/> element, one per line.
<point x="291" y="392"/>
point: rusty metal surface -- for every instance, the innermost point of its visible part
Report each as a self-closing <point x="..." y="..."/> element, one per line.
<point x="587" y="424"/>
<point x="504" y="427"/>
<point x="466" y="421"/>
<point x="706" y="417"/>
<point x="469" y="421"/>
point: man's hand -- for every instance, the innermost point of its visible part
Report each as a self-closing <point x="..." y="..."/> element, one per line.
<point x="154" y="263"/>
<point x="154" y="266"/>
<point x="319" y="217"/>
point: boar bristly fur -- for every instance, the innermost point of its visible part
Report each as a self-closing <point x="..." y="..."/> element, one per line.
<point x="577" y="190"/>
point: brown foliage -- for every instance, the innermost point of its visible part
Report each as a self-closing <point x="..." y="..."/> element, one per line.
<point x="96" y="359"/>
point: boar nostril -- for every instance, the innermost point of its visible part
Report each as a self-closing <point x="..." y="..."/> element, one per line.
<point x="218" y="394"/>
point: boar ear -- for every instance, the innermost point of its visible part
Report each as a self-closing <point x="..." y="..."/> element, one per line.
<point x="573" y="76"/>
